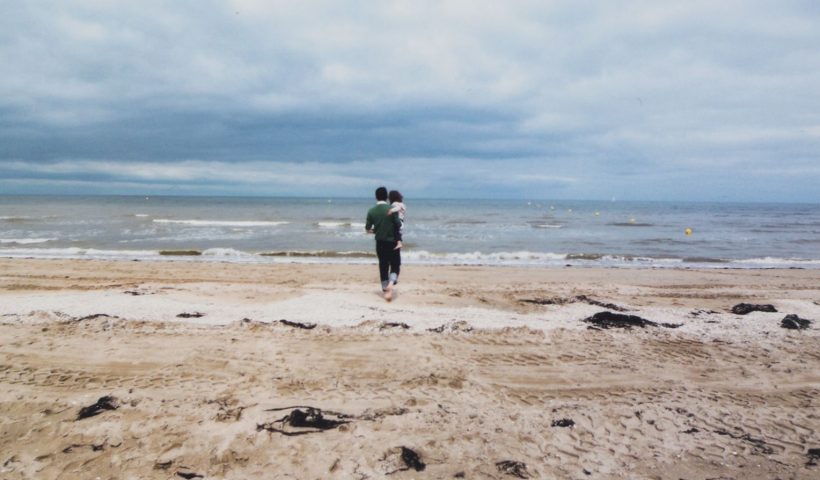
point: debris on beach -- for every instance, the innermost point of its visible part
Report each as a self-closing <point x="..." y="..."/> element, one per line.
<point x="71" y="447"/>
<point x="617" y="320"/>
<point x="793" y="322"/>
<point x="564" y="423"/>
<point x="107" y="402"/>
<point x="399" y="459"/>
<point x="186" y="473"/>
<point x="229" y="409"/>
<point x="577" y="298"/>
<point x="699" y="312"/>
<point x="191" y="315"/>
<point x="298" y="422"/>
<point x="137" y="292"/>
<point x="744" y="308"/>
<point x="95" y="447"/>
<point x="93" y="317"/>
<point x="303" y="326"/>
<point x="401" y="325"/>
<point x="458" y="326"/>
<point x="514" y="468"/>
<point x="758" y="445"/>
<point x="814" y="456"/>
<point x="375" y="414"/>
<point x="255" y="325"/>
<point x="412" y="459"/>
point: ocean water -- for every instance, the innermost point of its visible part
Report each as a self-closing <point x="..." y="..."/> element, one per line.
<point x="453" y="232"/>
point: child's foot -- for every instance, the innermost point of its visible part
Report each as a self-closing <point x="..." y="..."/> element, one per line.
<point x="388" y="292"/>
<point x="398" y="246"/>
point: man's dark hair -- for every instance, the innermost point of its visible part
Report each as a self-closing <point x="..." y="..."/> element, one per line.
<point x="381" y="194"/>
<point x="395" y="196"/>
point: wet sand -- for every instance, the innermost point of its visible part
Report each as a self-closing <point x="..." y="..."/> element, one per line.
<point x="480" y="372"/>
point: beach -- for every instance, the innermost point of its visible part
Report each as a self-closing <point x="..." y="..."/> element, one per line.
<point x="471" y="372"/>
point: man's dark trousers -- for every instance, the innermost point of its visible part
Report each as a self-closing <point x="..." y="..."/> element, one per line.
<point x="389" y="260"/>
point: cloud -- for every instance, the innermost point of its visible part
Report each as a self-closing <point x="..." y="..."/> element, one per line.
<point x="415" y="176"/>
<point x="559" y="93"/>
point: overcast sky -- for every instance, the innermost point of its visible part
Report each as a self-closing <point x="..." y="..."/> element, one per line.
<point x="646" y="100"/>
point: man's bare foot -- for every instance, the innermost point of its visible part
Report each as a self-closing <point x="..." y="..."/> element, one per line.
<point x="398" y="246"/>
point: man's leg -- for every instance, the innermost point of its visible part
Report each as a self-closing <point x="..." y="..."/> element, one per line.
<point x="395" y="265"/>
<point x="383" y="251"/>
<point x="391" y="256"/>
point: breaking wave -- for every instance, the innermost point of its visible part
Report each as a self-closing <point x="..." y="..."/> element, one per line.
<point x="25" y="241"/>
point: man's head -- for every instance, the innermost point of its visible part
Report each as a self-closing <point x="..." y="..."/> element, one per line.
<point x="381" y="194"/>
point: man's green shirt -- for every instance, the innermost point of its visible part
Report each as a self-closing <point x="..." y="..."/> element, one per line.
<point x="383" y="224"/>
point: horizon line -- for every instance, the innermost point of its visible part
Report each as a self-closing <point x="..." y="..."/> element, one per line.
<point x="521" y="199"/>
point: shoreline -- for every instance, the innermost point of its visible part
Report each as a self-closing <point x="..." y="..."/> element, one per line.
<point x="412" y="257"/>
<point x="496" y="367"/>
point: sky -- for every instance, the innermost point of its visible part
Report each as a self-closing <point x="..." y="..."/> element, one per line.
<point x="635" y="100"/>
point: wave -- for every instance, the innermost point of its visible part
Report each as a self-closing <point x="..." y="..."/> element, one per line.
<point x="610" y="258"/>
<point x="221" y="223"/>
<point x="546" y="225"/>
<point x="141" y="215"/>
<point x="467" y="222"/>
<point x="339" y="224"/>
<point x="332" y="224"/>
<point x="73" y="252"/>
<point x="318" y="254"/>
<point x="705" y="260"/>
<point x="660" y="241"/>
<point x="631" y="224"/>
<point x="15" y="219"/>
<point x="480" y="258"/>
<point x="768" y="261"/>
<point x="26" y="241"/>
<point x="585" y="256"/>
<point x="226" y="253"/>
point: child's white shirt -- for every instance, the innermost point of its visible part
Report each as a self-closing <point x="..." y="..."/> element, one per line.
<point x="398" y="207"/>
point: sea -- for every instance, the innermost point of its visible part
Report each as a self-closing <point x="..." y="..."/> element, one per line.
<point x="534" y="233"/>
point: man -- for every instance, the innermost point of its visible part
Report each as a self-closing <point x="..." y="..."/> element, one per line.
<point x="384" y="225"/>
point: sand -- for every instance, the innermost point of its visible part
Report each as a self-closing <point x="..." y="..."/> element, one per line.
<point x="505" y="378"/>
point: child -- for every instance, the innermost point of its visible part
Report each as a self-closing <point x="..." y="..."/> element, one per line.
<point x="396" y="206"/>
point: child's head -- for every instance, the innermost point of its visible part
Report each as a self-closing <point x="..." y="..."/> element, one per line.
<point x="395" y="196"/>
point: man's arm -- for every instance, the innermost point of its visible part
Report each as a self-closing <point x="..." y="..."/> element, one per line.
<point x="368" y="224"/>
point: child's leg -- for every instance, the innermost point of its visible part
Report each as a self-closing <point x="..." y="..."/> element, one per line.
<point x="397" y="234"/>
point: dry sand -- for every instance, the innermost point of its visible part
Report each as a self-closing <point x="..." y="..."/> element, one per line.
<point x="722" y="396"/>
